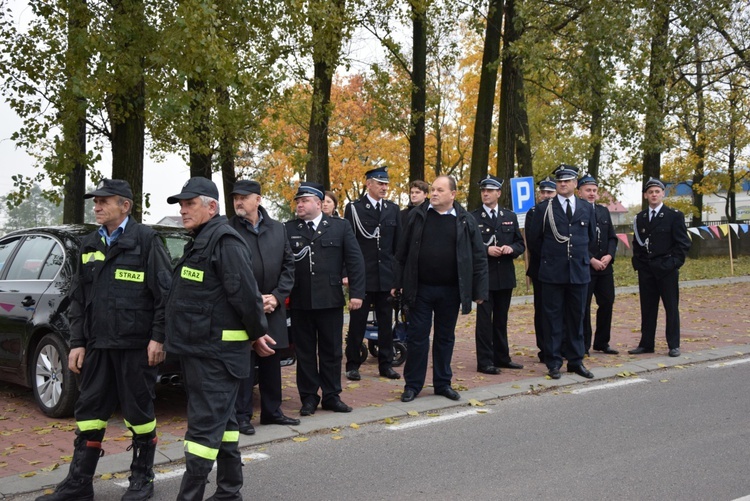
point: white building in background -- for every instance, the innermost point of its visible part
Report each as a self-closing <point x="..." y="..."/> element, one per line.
<point x="714" y="204"/>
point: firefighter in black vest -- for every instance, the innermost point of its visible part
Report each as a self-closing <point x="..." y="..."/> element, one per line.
<point x="116" y="335"/>
<point x="214" y="317"/>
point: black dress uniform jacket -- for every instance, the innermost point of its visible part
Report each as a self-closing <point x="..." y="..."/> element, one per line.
<point x="273" y="268"/>
<point x="665" y="242"/>
<point x="214" y="308"/>
<point x="119" y="293"/>
<point x="318" y="274"/>
<point x="563" y="263"/>
<point x="470" y="253"/>
<point x="605" y="242"/>
<point x="502" y="272"/>
<point x="377" y="253"/>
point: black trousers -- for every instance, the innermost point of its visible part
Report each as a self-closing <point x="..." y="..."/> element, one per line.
<point x="651" y="290"/>
<point x="539" y="317"/>
<point x="358" y="324"/>
<point x="109" y="377"/>
<point x="211" y="422"/>
<point x="318" y="339"/>
<point x="603" y="288"/>
<point x="564" y="305"/>
<point x="269" y="385"/>
<point x="491" y="333"/>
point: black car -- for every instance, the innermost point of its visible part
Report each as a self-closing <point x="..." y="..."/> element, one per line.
<point x="36" y="269"/>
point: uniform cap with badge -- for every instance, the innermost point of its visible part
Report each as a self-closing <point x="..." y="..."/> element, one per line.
<point x="587" y="179"/>
<point x="652" y="181"/>
<point x="310" y="189"/>
<point x="491" y="183"/>
<point x="379" y="174"/>
<point x="565" y="172"/>
<point x="196" y="187"/>
<point x="111" y="187"/>
<point x="547" y="184"/>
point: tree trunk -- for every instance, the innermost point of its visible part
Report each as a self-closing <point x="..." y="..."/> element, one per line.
<point x="128" y="102"/>
<point x="201" y="155"/>
<point x="317" y="169"/>
<point x="699" y="147"/>
<point x="656" y="92"/>
<point x="480" y="150"/>
<point x="596" y="126"/>
<point x="227" y="150"/>
<point x="418" y="92"/>
<point x="74" y="114"/>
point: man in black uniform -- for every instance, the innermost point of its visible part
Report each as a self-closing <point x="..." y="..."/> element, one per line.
<point x="660" y="246"/>
<point x="375" y="222"/>
<point x="116" y="335"/>
<point x="321" y="245"/>
<point x="442" y="267"/>
<point x="214" y="317"/>
<point x="504" y="243"/>
<point x="602" y="285"/>
<point x="273" y="269"/>
<point x="560" y="233"/>
<point x="547" y="190"/>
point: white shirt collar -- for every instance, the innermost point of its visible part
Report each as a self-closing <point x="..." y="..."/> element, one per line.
<point x="572" y="199"/>
<point x="657" y="209"/>
<point x="372" y="200"/>
<point x="316" y="221"/>
<point x="451" y="212"/>
<point x="489" y="210"/>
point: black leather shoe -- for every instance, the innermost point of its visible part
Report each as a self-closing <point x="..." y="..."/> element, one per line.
<point x="389" y="373"/>
<point x="554" y="373"/>
<point x="353" y="375"/>
<point x="488" y="369"/>
<point x="674" y="352"/>
<point x="283" y="420"/>
<point x="337" y="406"/>
<point x="408" y="395"/>
<point x="581" y="371"/>
<point x="608" y="351"/>
<point x="308" y="409"/>
<point x="247" y="428"/>
<point x="639" y="351"/>
<point x="448" y="392"/>
<point x="511" y="365"/>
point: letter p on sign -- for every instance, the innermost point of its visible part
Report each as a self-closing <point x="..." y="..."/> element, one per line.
<point x="522" y="193"/>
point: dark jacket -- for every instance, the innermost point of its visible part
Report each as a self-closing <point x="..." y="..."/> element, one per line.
<point x="378" y="253"/>
<point x="532" y="268"/>
<point x="273" y="268"/>
<point x="214" y="308"/>
<point x="563" y="263"/>
<point x="470" y="252"/>
<point x="119" y="293"/>
<point x="665" y="241"/>
<point x="502" y="271"/>
<point x="605" y="242"/>
<point x="318" y="264"/>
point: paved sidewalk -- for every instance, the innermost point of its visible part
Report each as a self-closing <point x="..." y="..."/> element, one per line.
<point x="35" y="449"/>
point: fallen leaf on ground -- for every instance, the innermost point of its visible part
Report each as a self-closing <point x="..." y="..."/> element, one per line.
<point x="300" y="439"/>
<point x="475" y="403"/>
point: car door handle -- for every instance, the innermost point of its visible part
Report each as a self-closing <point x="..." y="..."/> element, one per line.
<point x="28" y="301"/>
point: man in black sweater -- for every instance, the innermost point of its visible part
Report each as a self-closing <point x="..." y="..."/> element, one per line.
<point x="437" y="279"/>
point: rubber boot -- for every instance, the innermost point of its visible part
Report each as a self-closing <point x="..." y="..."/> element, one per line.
<point x="228" y="474"/>
<point x="78" y="485"/>
<point x="141" y="468"/>
<point x="195" y="478"/>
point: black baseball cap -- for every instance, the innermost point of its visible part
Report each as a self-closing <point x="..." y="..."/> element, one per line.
<point x="245" y="187"/>
<point x="111" y="187"/>
<point x="195" y="187"/>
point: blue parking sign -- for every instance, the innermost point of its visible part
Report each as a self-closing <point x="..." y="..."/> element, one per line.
<point x="522" y="194"/>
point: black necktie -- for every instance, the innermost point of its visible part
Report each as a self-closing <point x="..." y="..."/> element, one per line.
<point x="377" y="209"/>
<point x="311" y="225"/>
<point x="493" y="217"/>
<point x="653" y="215"/>
<point x="568" y="210"/>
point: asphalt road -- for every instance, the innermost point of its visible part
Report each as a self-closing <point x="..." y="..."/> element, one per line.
<point x="681" y="433"/>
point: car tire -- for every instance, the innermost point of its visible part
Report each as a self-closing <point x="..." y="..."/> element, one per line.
<point x="53" y="384"/>
<point x="362" y="353"/>
<point x="399" y="353"/>
<point x="372" y="346"/>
